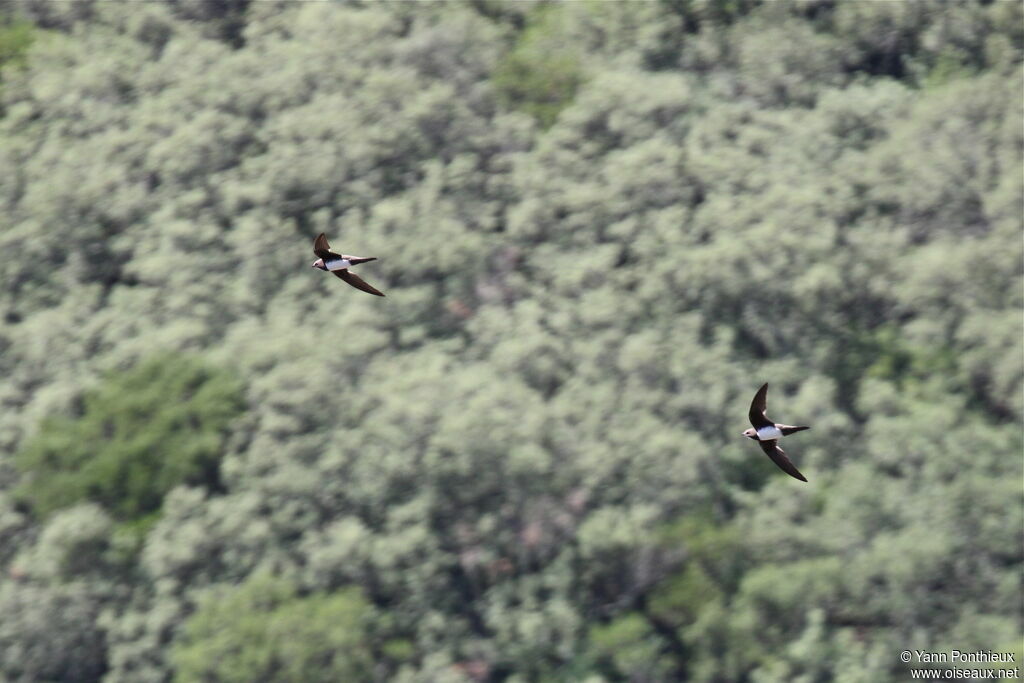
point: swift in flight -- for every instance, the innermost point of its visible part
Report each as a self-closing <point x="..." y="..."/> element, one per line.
<point x="767" y="434"/>
<point x="339" y="264"/>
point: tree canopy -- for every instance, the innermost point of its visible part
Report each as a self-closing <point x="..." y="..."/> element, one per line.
<point x="601" y="227"/>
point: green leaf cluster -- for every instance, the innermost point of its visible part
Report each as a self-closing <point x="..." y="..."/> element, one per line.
<point x="15" y="38"/>
<point x="542" y="72"/>
<point x="262" y="631"/>
<point x="142" y="432"/>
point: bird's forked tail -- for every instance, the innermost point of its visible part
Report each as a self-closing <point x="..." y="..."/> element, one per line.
<point x="787" y="430"/>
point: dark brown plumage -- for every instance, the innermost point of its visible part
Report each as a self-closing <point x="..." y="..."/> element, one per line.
<point x="757" y="407"/>
<point x="357" y="282"/>
<point x="322" y="249"/>
<point x="778" y="456"/>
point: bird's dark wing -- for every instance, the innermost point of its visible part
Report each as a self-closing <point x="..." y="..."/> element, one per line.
<point x="757" y="408"/>
<point x="778" y="456"/>
<point x="356" y="281"/>
<point x="322" y="249"/>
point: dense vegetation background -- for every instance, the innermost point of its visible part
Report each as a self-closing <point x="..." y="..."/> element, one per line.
<point x="601" y="226"/>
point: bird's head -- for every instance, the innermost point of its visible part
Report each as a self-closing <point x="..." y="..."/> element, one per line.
<point x="751" y="434"/>
<point x="319" y="263"/>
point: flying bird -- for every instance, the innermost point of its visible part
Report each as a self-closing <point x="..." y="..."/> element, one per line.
<point x="339" y="264"/>
<point x="767" y="434"/>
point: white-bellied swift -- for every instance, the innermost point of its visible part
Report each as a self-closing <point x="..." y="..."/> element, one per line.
<point x="767" y="434"/>
<point x="339" y="264"/>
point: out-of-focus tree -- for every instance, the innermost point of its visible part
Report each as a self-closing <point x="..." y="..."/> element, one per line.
<point x="525" y="462"/>
<point x="50" y="634"/>
<point x="262" y="630"/>
<point x="141" y="433"/>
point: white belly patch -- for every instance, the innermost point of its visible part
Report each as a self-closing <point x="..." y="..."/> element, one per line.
<point x="337" y="264"/>
<point x="769" y="433"/>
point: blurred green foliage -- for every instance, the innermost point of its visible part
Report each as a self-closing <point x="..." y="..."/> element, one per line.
<point x="263" y="631"/>
<point x="16" y="35"/>
<point x="542" y="72"/>
<point x="15" y="38"/>
<point x="600" y="226"/>
<point x="140" y="434"/>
